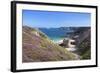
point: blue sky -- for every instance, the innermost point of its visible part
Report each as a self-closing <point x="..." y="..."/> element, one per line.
<point x="50" y="19"/>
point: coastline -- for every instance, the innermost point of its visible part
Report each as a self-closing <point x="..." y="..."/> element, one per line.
<point x="67" y="48"/>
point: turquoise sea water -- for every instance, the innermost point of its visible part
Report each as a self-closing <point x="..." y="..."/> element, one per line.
<point x="56" y="39"/>
<point x="55" y="34"/>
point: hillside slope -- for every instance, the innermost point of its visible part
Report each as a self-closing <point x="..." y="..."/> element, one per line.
<point x="38" y="48"/>
<point x="85" y="45"/>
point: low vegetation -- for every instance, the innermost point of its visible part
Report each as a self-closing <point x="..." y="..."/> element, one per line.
<point x="38" y="48"/>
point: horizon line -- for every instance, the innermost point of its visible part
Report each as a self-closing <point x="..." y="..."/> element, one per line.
<point x="56" y="27"/>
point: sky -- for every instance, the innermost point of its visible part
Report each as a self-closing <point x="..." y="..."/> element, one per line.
<point x="55" y="19"/>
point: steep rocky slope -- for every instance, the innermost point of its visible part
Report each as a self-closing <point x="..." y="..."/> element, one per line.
<point x="38" y="48"/>
<point x="83" y="42"/>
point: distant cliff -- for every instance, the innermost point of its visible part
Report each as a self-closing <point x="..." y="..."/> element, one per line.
<point x="38" y="48"/>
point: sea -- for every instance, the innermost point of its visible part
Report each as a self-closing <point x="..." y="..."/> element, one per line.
<point x="56" y="34"/>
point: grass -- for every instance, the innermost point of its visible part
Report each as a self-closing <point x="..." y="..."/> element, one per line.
<point x="86" y="55"/>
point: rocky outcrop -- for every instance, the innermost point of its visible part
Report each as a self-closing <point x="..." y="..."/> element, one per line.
<point x="68" y="43"/>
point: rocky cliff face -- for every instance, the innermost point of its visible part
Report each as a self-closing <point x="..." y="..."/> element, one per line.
<point x="38" y="48"/>
<point x="83" y="42"/>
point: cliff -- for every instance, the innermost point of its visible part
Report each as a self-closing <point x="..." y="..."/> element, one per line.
<point x="83" y="42"/>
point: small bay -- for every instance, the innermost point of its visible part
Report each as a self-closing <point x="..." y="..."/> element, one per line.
<point x="56" y="34"/>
